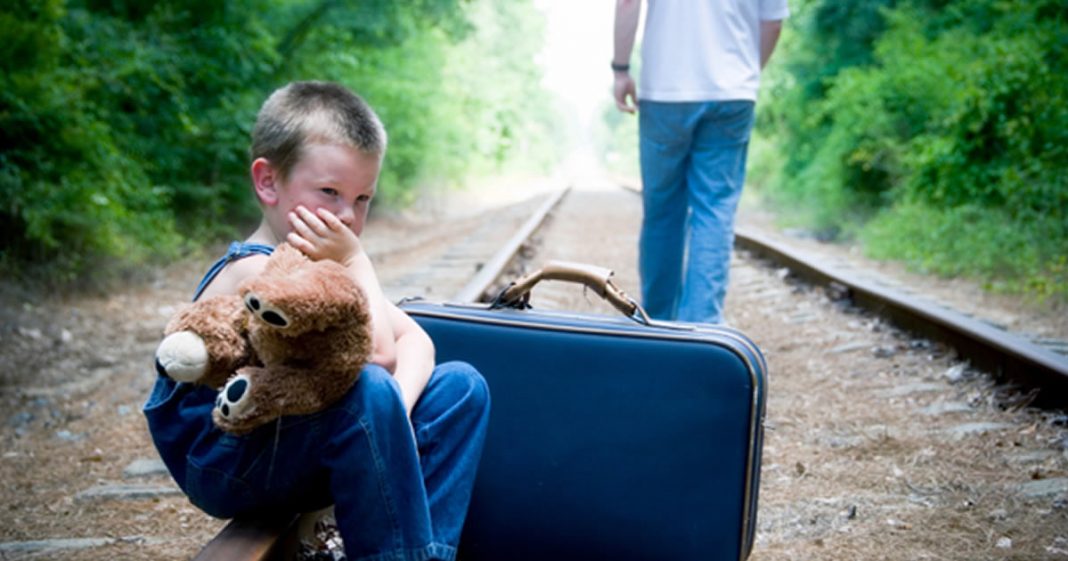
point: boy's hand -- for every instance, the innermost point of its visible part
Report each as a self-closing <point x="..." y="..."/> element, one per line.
<point x="322" y="235"/>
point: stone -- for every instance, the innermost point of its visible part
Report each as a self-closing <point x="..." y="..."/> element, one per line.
<point x="36" y="546"/>
<point x="1041" y="488"/>
<point x="1032" y="457"/>
<point x="20" y="419"/>
<point x="848" y="348"/>
<point x="998" y="515"/>
<point x="126" y="491"/>
<point x="65" y="434"/>
<point x="960" y="431"/>
<point x="884" y="351"/>
<point x="945" y="407"/>
<point x="908" y="389"/>
<point x="145" y="467"/>
<point x="956" y="373"/>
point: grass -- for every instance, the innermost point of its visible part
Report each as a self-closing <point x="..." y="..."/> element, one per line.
<point x="1027" y="257"/>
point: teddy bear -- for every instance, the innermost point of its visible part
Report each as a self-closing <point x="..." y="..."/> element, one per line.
<point x="291" y="342"/>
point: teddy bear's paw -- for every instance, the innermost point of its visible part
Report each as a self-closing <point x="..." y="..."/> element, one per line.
<point x="182" y="356"/>
<point x="265" y="311"/>
<point x="233" y="399"/>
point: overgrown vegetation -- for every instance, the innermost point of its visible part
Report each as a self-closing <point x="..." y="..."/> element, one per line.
<point x="934" y="130"/>
<point x="124" y="124"/>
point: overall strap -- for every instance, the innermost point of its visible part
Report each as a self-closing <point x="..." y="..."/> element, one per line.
<point x="237" y="250"/>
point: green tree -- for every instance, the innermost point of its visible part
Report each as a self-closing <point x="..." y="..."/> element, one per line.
<point x="936" y="129"/>
<point x="124" y="125"/>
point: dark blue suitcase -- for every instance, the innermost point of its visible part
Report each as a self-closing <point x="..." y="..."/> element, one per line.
<point x="610" y="437"/>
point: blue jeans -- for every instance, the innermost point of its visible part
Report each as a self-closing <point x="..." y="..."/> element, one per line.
<point x="693" y="167"/>
<point x="396" y="499"/>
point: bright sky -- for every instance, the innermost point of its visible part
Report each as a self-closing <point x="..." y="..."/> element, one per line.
<point x="575" y="63"/>
<point x="577" y="52"/>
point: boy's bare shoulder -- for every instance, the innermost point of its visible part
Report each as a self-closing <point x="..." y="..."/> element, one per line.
<point x="234" y="274"/>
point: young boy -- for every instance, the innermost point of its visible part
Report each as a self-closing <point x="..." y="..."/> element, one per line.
<point x="397" y="455"/>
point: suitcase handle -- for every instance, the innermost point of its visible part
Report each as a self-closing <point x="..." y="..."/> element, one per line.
<point x="598" y="279"/>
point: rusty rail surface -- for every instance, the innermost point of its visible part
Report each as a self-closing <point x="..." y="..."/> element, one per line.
<point x="253" y="539"/>
<point x="483" y="280"/>
<point x="1005" y="355"/>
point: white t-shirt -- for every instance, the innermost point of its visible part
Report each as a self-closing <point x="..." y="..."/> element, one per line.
<point x="704" y="50"/>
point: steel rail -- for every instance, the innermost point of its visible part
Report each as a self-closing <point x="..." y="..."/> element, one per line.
<point x="253" y="539"/>
<point x="475" y="289"/>
<point x="1004" y="355"/>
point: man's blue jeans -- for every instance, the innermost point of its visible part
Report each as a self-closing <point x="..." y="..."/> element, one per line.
<point x="396" y="498"/>
<point x="693" y="167"/>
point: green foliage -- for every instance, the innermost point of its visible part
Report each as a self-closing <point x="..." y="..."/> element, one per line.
<point x="124" y="125"/>
<point x="998" y="252"/>
<point x="953" y="112"/>
<point x="455" y="101"/>
<point x="71" y="192"/>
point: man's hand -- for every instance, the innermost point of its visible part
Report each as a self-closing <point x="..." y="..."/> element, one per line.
<point x="625" y="93"/>
<point x="322" y="235"/>
<point x="769" y="37"/>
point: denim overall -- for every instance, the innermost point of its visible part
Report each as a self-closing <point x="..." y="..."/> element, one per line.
<point x="396" y="498"/>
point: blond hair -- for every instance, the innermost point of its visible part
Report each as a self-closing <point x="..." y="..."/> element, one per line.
<point x="303" y="113"/>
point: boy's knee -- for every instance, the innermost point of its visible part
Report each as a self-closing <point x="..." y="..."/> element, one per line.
<point x="465" y="382"/>
<point x="375" y="388"/>
<point x="378" y="382"/>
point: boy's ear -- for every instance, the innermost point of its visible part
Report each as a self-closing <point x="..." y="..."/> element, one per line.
<point x="265" y="181"/>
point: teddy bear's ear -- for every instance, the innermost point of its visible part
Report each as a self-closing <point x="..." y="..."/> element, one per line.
<point x="284" y="260"/>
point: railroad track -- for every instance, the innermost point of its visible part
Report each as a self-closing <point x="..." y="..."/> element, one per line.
<point x="471" y="270"/>
<point x="1003" y="354"/>
<point x="1041" y="365"/>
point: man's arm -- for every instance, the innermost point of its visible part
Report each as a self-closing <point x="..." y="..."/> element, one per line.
<point x="626" y="28"/>
<point x="769" y="37"/>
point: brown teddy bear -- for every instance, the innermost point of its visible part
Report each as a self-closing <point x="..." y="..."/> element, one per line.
<point x="292" y="342"/>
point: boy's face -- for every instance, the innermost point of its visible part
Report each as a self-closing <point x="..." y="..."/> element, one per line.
<point x="338" y="178"/>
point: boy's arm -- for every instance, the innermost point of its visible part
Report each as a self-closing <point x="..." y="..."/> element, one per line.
<point x="415" y="357"/>
<point x="386" y="348"/>
<point x="233" y="274"/>
<point x="321" y="235"/>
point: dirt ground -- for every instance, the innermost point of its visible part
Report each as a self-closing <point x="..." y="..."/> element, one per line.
<point x="879" y="446"/>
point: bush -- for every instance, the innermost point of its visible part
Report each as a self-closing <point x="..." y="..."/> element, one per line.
<point x="72" y="194"/>
<point x="975" y="242"/>
<point x="124" y="126"/>
<point x="954" y="119"/>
